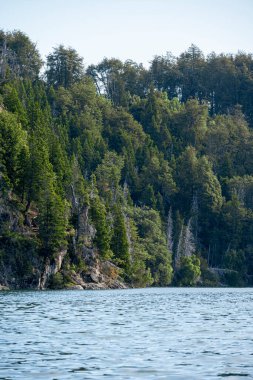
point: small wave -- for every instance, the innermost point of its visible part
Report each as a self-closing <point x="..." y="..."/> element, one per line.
<point x="233" y="374"/>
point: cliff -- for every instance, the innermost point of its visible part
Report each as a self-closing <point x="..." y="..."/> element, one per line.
<point x="77" y="266"/>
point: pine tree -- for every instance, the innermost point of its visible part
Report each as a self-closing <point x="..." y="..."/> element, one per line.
<point x="14" y="149"/>
<point x="170" y="231"/>
<point x="52" y="222"/>
<point x="102" y="237"/>
<point x="119" y="241"/>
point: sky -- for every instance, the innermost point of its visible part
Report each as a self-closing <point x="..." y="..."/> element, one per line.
<point x="132" y="29"/>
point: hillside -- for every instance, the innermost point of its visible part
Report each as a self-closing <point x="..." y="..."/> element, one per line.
<point x="117" y="175"/>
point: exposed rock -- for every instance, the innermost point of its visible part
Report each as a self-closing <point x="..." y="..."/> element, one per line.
<point x="75" y="287"/>
<point x="35" y="272"/>
<point x="94" y="277"/>
<point x="222" y="272"/>
<point x="9" y="218"/>
<point x="75" y="278"/>
<point x="118" y="285"/>
<point x="86" y="231"/>
<point x="3" y="287"/>
<point x="51" y="269"/>
<point x="101" y="274"/>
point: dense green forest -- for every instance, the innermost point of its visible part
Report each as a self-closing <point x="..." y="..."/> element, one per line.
<point x="147" y="172"/>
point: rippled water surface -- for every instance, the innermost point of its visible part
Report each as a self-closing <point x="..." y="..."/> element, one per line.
<point x="163" y="333"/>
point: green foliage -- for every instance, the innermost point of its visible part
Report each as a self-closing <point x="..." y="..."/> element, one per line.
<point x="233" y="216"/>
<point x="189" y="271"/>
<point x="64" y="67"/>
<point x="153" y="240"/>
<point x="118" y="80"/>
<point x="138" y="274"/>
<point x="128" y="144"/>
<point x="189" y="125"/>
<point x="19" y="254"/>
<point x="208" y="277"/>
<point x="39" y="172"/>
<point x="228" y="145"/>
<point x="242" y="189"/>
<point x="78" y="190"/>
<point x="233" y="278"/>
<point x="56" y="281"/>
<point x="52" y="222"/>
<point x="13" y="103"/>
<point x="20" y="58"/>
<point x="119" y="242"/>
<point x="108" y="175"/>
<point x="103" y="236"/>
<point x="195" y="176"/>
<point x="60" y="280"/>
<point x="236" y="262"/>
<point x="13" y="149"/>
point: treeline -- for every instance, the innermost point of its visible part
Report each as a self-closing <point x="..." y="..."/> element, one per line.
<point x="162" y="159"/>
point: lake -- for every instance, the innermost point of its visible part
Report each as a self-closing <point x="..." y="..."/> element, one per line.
<point x="157" y="333"/>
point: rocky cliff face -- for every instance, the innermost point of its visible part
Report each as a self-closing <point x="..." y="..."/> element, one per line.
<point x="77" y="267"/>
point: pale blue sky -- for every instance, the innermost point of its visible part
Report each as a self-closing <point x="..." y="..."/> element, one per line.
<point x="132" y="29"/>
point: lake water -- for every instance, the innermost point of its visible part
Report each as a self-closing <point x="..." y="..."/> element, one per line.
<point x="166" y="333"/>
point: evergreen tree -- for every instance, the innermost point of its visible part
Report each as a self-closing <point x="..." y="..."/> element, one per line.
<point x="119" y="242"/>
<point x="20" y="57"/>
<point x="13" y="149"/>
<point x="103" y="236"/>
<point x="120" y="147"/>
<point x="52" y="222"/>
<point x="64" y="67"/>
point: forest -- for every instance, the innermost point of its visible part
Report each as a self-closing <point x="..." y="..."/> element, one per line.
<point x="120" y="174"/>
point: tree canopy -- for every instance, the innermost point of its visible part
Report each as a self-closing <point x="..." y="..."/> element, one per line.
<point x="151" y="168"/>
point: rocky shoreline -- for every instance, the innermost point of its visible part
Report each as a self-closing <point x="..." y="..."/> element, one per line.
<point x="97" y="275"/>
<point x="77" y="266"/>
